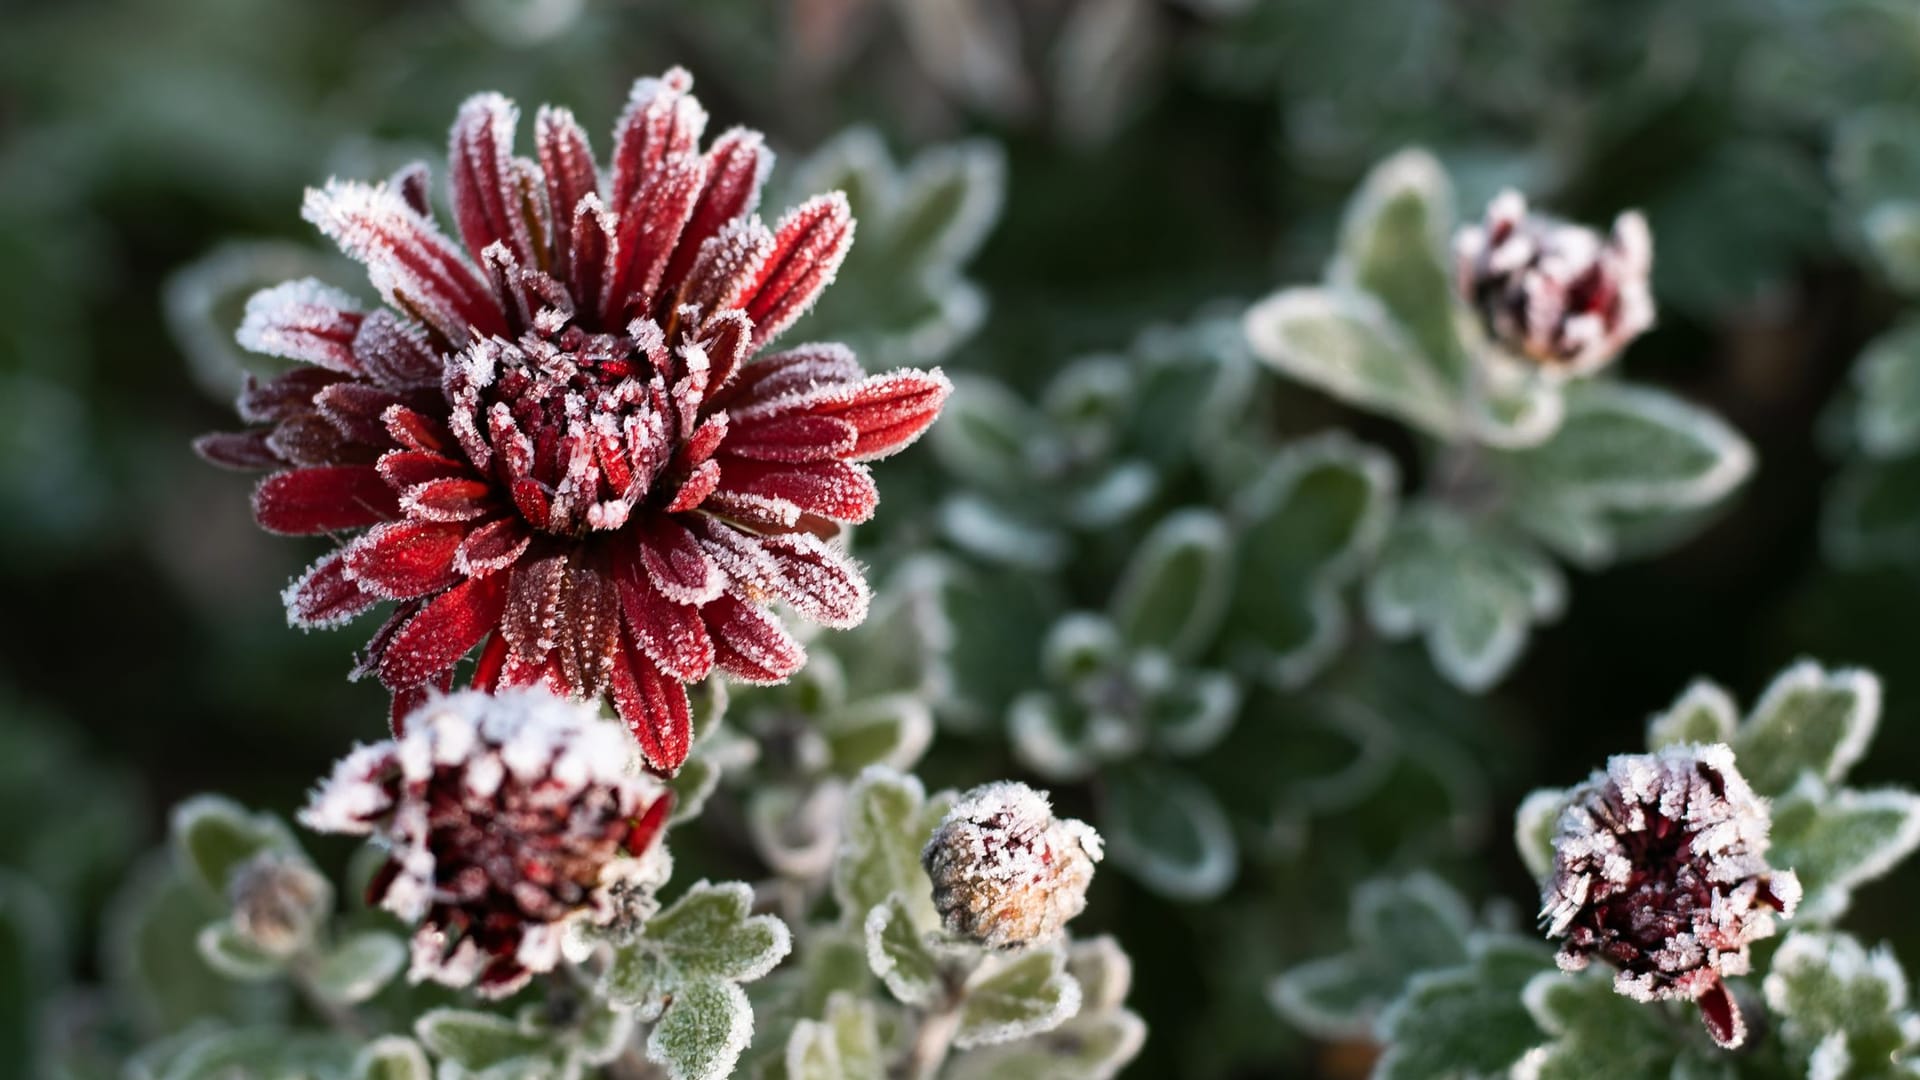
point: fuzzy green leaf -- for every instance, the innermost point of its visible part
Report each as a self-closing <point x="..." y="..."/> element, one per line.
<point x="213" y="835"/>
<point x="1086" y="1047"/>
<point x="1015" y="995"/>
<point x="692" y="786"/>
<point x="1169" y="832"/>
<point x="1307" y="526"/>
<point x="898" y="953"/>
<point x="1705" y="713"/>
<point x="889" y="819"/>
<point x="1533" y="827"/>
<point x="29" y="968"/>
<point x="1886" y="380"/>
<point x="155" y="963"/>
<point x="1392" y="245"/>
<point x="393" y="1057"/>
<point x="477" y="1040"/>
<point x="1872" y="517"/>
<point x="891" y="730"/>
<point x="1597" y="1034"/>
<point x="1809" y="720"/>
<point x="1843" y="1008"/>
<point x="1837" y="840"/>
<point x="1174" y="590"/>
<point x="262" y="1053"/>
<point x="703" y="1030"/>
<point x="1473" y="593"/>
<point x="844" y="1045"/>
<point x="711" y="933"/>
<point x="983" y="434"/>
<point x="1467" y="1022"/>
<point x="230" y="954"/>
<point x="358" y="967"/>
<point x="1347" y="344"/>
<point x="1399" y="928"/>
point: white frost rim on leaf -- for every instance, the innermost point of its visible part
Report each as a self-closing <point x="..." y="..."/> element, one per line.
<point x="1733" y="455"/>
<point x="738" y="1034"/>
<point x="1860" y="686"/>
<point x="1201" y="533"/>
<point x="1426" y="401"/>
<point x="1413" y="171"/>
<point x="1219" y="856"/>
<point x="1533" y="827"/>
<point x="1065" y="1005"/>
<point x="1829" y="899"/>
<point x="1700" y="696"/>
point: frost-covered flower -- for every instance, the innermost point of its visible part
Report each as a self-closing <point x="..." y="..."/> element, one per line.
<point x="1660" y="869"/>
<point x="567" y="444"/>
<point x="506" y="819"/>
<point x="1005" y="871"/>
<point x="1556" y="292"/>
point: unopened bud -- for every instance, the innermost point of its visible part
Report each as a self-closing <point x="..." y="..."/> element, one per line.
<point x="1005" y="871"/>
<point x="278" y="900"/>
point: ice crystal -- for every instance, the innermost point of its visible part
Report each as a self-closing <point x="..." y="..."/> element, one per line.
<point x="1555" y="292"/>
<point x="506" y="820"/>
<point x="1659" y="868"/>
<point x="1005" y="871"/>
<point x="563" y="441"/>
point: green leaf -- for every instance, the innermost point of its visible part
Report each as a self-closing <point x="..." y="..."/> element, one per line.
<point x="1306" y="528"/>
<point x="1473" y="593"/>
<point x="1837" y="840"/>
<point x="1103" y="969"/>
<point x="711" y="933"/>
<point x="230" y="954"/>
<point x="262" y="1053"/>
<point x="1400" y="927"/>
<point x="154" y="962"/>
<point x="1533" y="828"/>
<point x="1393" y="245"/>
<point x="1086" y="1047"/>
<point x="796" y="828"/>
<point x="1597" y="1034"/>
<point x="692" y="786"/>
<point x="898" y="953"/>
<point x="1842" y="1007"/>
<point x="1705" y="713"/>
<point x="1809" y="720"/>
<point x="702" y="1032"/>
<point x="358" y="967"/>
<point x="1174" y="590"/>
<point x="889" y="819"/>
<point x="984" y="434"/>
<point x="1168" y="832"/>
<point x="477" y="1040"/>
<point x="1467" y="1022"/>
<point x="891" y="730"/>
<point x="213" y="835"/>
<point x="1015" y="995"/>
<point x="1346" y="344"/>
<point x="392" y="1057"/>
<point x="1886" y="379"/>
<point x="1621" y="453"/>
<point x="1872" y="516"/>
<point x="845" y="1045"/>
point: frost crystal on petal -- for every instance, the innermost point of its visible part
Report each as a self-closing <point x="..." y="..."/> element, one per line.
<point x="1660" y="869"/>
<point x="506" y="819"/>
<point x="1555" y="292"/>
<point x="1006" y="872"/>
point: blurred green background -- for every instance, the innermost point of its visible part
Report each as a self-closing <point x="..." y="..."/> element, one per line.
<point x="1160" y="156"/>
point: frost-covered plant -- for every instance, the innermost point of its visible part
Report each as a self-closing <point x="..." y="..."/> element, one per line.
<point x="567" y="445"/>
<point x="1524" y="453"/>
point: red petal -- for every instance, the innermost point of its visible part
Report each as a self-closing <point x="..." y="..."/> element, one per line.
<point x="487" y="198"/>
<point x="403" y="469"/>
<point x="817" y="581"/>
<point x="238" y="450"/>
<point x="396" y="354"/>
<point x="795" y="371"/>
<point x="662" y="119"/>
<point x="493" y="546"/>
<point x="889" y="410"/>
<point x="453" y="623"/>
<point x="832" y="489"/>
<point x="675" y="562"/>
<point x="1722" y="1016"/>
<point x="725" y="267"/>
<point x="416" y="430"/>
<point x="725" y="336"/>
<point x="672" y="634"/>
<point x="303" y="502"/>
<point x="649" y="825"/>
<point x="486" y="670"/>
<point x="749" y="644"/>
<point x="311" y="439"/>
<point x="354" y="409"/>
<point x="326" y="595"/>
<point x="566" y="164"/>
<point x="649" y="227"/>
<point x="655" y="710"/>
<point x="534" y="606"/>
<point x="408" y="701"/>
<point x="736" y="167"/>
<point x="759" y="511"/>
<point x="414" y="267"/>
<point x="703" y="442"/>
<point x="591" y="244"/>
<point x="284" y="395"/>
<point x="303" y="320"/>
<point x="402" y="560"/>
<point x="695" y="488"/>
<point x="793" y="439"/>
<point x="453" y="499"/>
<point x="807" y="250"/>
<point x="589" y="630"/>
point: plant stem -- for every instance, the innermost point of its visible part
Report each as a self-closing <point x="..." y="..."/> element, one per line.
<point x="934" y="1040"/>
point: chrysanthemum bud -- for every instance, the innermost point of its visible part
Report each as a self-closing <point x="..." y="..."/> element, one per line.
<point x="277" y="900"/>
<point x="1555" y="292"/>
<point x="1659" y="868"/>
<point x="507" y="818"/>
<point x="1005" y="871"/>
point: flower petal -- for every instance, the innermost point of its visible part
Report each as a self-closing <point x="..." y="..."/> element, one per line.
<point x="326" y="595"/>
<point x="655" y="709"/>
<point x="488" y="200"/>
<point x="245" y="450"/>
<point x="662" y="119"/>
<point x="303" y="502"/>
<point x="808" y="247"/>
<point x="793" y="439"/>
<point x="750" y="644"/>
<point x="833" y="489"/>
<point x="676" y="563"/>
<point x="671" y="634"/>
<point x="737" y="166"/>
<point x="303" y="320"/>
<point x="444" y="631"/>
<point x="566" y="165"/>
<point x="413" y="266"/>
<point x="402" y="560"/>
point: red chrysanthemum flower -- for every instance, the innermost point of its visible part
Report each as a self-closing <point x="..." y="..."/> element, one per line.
<point x="566" y="445"/>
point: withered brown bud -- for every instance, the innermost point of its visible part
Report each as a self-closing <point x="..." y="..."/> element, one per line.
<point x="1005" y="871"/>
<point x="278" y="899"/>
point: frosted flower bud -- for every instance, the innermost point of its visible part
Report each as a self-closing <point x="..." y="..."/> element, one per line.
<point x="1005" y="871"/>
<point x="1555" y="292"/>
<point x="507" y="821"/>
<point x="278" y="899"/>
<point x="1660" y="869"/>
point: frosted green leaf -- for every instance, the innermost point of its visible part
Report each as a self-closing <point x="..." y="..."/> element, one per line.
<point x="702" y="1032"/>
<point x="1306" y="528"/>
<point x="392" y="1057"/>
<point x="206" y="299"/>
<point x="1594" y="1033"/>
<point x="1533" y="827"/>
<point x="1087" y="1047"/>
<point x="1348" y="345"/>
<point x="1467" y="1022"/>
<point x="1809" y="720"/>
<point x="1061" y="740"/>
<point x="1473" y="593"/>
<point x="1872" y="516"/>
<point x="478" y="1040"/>
<point x="1193" y="713"/>
<point x="1842" y="1007"/>
<point x="844" y="1045"/>
<point x="213" y="835"/>
<point x="1174" y="590"/>
<point x="984" y="432"/>
<point x="1399" y="927"/>
<point x="1393" y="245"/>
<point x="1836" y="840"/>
<point x="1886" y="380"/>
<point x="358" y="967"/>
<point x="1705" y="713"/>
<point x="1015" y="995"/>
<point x="261" y="1053"/>
<point x="1196" y="380"/>
<point x="1621" y="452"/>
<point x="990" y="531"/>
<point x="889" y="819"/>
<point x="795" y="828"/>
<point x="692" y="786"/>
<point x="230" y="954"/>
<point x="1103" y="969"/>
<point x="898" y="953"/>
<point x="711" y="933"/>
<point x="1876" y="170"/>
<point x="891" y="730"/>
<point x="1168" y="832"/>
<point x="154" y="962"/>
<point x="30" y="969"/>
<point x="1892" y="234"/>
